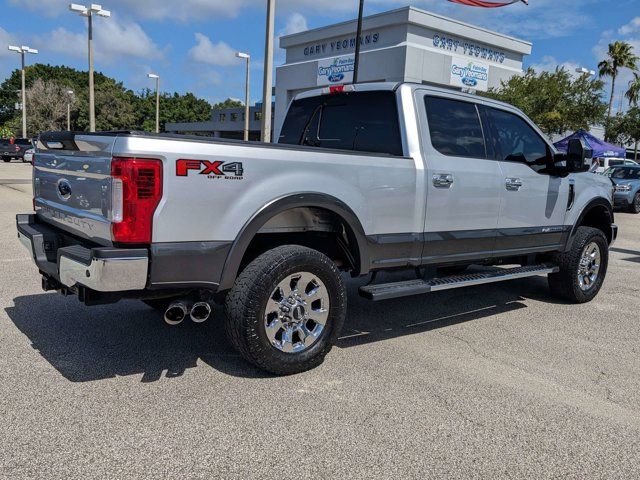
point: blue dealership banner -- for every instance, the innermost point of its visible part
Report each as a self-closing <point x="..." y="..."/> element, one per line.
<point x="471" y="74"/>
<point x="336" y="70"/>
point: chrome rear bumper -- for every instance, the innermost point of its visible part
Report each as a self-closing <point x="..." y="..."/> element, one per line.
<point x="101" y="269"/>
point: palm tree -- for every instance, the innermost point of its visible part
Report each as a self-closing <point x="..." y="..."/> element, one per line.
<point x="620" y="56"/>
<point x="633" y="94"/>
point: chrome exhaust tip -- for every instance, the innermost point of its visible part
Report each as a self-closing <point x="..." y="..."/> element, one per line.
<point x="200" y="312"/>
<point x="175" y="314"/>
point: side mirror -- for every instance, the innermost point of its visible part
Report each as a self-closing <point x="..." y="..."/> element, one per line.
<point x="578" y="152"/>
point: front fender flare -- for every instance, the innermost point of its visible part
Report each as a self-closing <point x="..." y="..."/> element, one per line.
<point x="599" y="202"/>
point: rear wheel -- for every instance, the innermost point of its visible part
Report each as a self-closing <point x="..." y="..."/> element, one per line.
<point x="583" y="268"/>
<point x="635" y="206"/>
<point x="286" y="309"/>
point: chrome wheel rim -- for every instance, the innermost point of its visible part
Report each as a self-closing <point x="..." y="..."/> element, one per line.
<point x="297" y="312"/>
<point x="589" y="267"/>
<point x="638" y="202"/>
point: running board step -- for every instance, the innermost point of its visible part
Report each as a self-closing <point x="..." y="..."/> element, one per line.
<point x="385" y="291"/>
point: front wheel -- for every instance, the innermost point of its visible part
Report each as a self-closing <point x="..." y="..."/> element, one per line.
<point x="635" y="205"/>
<point x="286" y="309"/>
<point x="583" y="268"/>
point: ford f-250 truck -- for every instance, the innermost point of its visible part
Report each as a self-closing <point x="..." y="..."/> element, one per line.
<point x="364" y="178"/>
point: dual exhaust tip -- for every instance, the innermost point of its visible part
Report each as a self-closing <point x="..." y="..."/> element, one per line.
<point x="178" y="311"/>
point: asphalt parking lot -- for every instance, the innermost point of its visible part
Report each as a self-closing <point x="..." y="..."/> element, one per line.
<point x="494" y="381"/>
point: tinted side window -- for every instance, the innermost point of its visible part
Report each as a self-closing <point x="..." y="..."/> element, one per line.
<point x="365" y="122"/>
<point x="455" y="128"/>
<point x="518" y="141"/>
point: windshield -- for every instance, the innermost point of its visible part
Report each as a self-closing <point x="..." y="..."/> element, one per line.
<point x="627" y="173"/>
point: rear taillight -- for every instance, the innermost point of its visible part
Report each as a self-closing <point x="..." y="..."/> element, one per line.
<point x="17" y="148"/>
<point x="136" y="193"/>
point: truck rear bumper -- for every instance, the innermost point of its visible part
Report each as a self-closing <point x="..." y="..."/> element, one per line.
<point x="101" y="269"/>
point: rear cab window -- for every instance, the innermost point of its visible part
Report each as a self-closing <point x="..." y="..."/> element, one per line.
<point x="455" y="127"/>
<point x="357" y="121"/>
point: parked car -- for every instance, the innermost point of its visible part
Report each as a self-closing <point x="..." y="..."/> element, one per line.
<point x="365" y="178"/>
<point x="607" y="163"/>
<point x="28" y="156"/>
<point x="14" y="149"/>
<point x="627" y="187"/>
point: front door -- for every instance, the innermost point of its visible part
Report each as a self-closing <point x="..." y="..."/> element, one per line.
<point x="534" y="203"/>
<point x="463" y="181"/>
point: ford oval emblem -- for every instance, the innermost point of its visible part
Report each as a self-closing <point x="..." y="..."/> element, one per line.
<point x="64" y="189"/>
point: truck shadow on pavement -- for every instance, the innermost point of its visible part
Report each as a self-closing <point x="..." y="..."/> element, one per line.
<point x="87" y="344"/>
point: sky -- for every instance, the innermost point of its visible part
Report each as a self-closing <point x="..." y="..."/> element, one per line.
<point x="192" y="43"/>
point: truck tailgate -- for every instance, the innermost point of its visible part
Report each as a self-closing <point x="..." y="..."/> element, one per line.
<point x="72" y="183"/>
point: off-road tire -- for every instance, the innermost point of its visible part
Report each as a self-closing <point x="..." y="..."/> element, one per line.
<point x="246" y="303"/>
<point x="565" y="284"/>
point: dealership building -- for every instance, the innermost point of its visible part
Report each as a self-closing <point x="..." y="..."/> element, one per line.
<point x="403" y="45"/>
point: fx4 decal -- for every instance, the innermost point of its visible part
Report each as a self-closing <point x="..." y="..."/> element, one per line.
<point x="215" y="169"/>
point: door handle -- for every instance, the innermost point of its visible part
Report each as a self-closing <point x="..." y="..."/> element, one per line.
<point x="443" y="180"/>
<point x="513" y="184"/>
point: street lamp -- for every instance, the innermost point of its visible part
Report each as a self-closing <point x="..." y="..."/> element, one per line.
<point x="89" y="12"/>
<point x="267" y="91"/>
<point x="70" y="94"/>
<point x="22" y="50"/>
<point x="246" y="57"/>
<point x="585" y="71"/>
<point x="157" y="77"/>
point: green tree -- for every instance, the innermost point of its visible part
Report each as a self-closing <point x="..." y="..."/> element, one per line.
<point x="624" y="128"/>
<point x="228" y="103"/>
<point x="173" y="108"/>
<point x="633" y="93"/>
<point x="555" y="101"/>
<point x="117" y="108"/>
<point x="620" y="55"/>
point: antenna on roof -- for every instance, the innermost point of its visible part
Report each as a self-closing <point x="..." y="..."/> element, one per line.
<point x="356" y="66"/>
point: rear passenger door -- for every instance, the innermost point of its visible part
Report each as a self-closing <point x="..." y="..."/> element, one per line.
<point x="463" y="181"/>
<point x="534" y="203"/>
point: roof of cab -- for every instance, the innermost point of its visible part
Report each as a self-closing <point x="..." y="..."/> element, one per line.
<point x="392" y="86"/>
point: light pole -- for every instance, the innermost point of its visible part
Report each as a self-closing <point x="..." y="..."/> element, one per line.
<point x="585" y="71"/>
<point x="70" y="94"/>
<point x="22" y="50"/>
<point x="157" y="77"/>
<point x="267" y="91"/>
<point x="246" y="57"/>
<point x="89" y="12"/>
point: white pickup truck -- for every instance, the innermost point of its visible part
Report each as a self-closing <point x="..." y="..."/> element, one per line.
<point x="363" y="179"/>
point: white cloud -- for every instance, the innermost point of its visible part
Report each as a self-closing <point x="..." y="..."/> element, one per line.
<point x="296" y="23"/>
<point x="114" y="39"/>
<point x="207" y="52"/>
<point x="549" y="63"/>
<point x="6" y="39"/>
<point x="631" y="27"/>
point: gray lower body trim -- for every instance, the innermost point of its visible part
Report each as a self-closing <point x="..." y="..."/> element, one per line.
<point x="414" y="249"/>
<point x="187" y="264"/>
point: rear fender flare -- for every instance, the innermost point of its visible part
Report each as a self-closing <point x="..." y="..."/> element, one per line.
<point x="260" y="218"/>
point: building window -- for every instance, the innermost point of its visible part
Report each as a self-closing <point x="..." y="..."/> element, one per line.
<point x="257" y="116"/>
<point x="234" y="117"/>
<point x="223" y="117"/>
